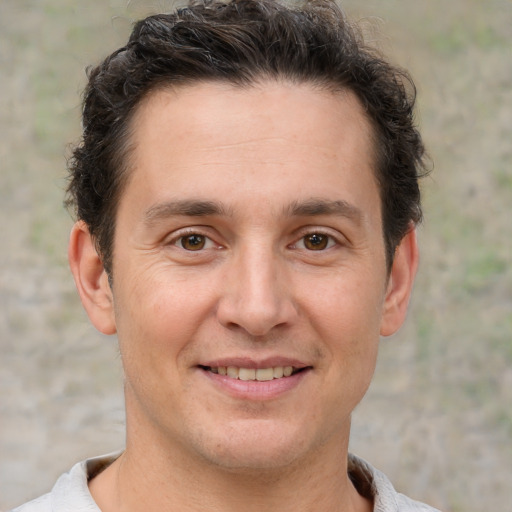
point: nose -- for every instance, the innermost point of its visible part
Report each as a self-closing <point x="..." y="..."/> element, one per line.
<point x="256" y="294"/>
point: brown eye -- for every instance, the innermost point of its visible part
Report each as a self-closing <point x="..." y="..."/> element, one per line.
<point x="193" y="242"/>
<point x="316" y="242"/>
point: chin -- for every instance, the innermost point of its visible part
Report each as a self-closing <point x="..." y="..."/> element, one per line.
<point x="251" y="461"/>
<point x="255" y="448"/>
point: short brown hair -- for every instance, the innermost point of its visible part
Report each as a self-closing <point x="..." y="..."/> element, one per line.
<point x="243" y="42"/>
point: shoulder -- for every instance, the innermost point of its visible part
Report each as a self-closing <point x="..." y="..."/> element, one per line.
<point x="41" y="504"/>
<point x="71" y="491"/>
<point x="406" y="504"/>
<point x="375" y="484"/>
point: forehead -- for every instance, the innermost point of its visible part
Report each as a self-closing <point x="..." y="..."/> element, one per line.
<point x="220" y="137"/>
<point x="211" y="108"/>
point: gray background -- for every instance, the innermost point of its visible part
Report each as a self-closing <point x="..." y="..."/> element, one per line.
<point x="438" y="418"/>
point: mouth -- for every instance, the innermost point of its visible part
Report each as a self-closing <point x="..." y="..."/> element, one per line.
<point x="254" y="374"/>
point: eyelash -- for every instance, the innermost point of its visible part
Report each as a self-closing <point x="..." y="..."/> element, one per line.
<point x="330" y="240"/>
<point x="184" y="235"/>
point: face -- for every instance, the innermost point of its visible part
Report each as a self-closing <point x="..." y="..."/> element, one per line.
<point x="249" y="272"/>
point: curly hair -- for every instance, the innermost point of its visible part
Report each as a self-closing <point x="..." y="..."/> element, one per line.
<point x="243" y="42"/>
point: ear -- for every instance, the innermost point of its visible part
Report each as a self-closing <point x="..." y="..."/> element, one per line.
<point x="91" y="279"/>
<point x="400" y="284"/>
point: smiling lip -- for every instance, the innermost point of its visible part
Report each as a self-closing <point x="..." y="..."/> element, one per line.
<point x="251" y="380"/>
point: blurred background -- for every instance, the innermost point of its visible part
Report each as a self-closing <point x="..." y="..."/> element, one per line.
<point x="438" y="417"/>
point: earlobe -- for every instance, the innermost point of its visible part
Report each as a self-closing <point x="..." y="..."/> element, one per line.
<point x="91" y="279"/>
<point x="400" y="284"/>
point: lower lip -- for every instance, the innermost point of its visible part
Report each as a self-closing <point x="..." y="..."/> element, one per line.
<point x="253" y="389"/>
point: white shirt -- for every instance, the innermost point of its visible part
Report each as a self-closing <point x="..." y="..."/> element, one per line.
<point x="71" y="491"/>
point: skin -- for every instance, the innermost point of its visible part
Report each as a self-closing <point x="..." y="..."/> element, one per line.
<point x="255" y="172"/>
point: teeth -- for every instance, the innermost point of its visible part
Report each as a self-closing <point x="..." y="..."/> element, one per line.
<point x="232" y="372"/>
<point x="261" y="374"/>
<point x="246" y="374"/>
<point x="264" y="374"/>
<point x="278" y="372"/>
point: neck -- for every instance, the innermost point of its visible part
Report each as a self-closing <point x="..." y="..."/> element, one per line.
<point x="152" y="479"/>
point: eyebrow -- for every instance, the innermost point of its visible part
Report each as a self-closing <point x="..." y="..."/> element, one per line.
<point x="188" y="208"/>
<point x="313" y="207"/>
<point x="316" y="207"/>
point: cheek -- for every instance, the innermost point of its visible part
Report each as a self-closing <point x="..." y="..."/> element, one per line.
<point x="158" y="313"/>
<point x="349" y="301"/>
<point x="347" y="316"/>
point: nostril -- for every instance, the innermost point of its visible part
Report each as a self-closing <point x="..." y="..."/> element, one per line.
<point x="254" y="301"/>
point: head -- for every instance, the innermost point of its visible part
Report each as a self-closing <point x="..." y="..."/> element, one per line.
<point x="248" y="181"/>
<point x="243" y="43"/>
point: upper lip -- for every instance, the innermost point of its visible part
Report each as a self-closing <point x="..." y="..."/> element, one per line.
<point x="248" y="362"/>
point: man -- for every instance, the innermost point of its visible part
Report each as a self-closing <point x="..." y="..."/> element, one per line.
<point x="246" y="193"/>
